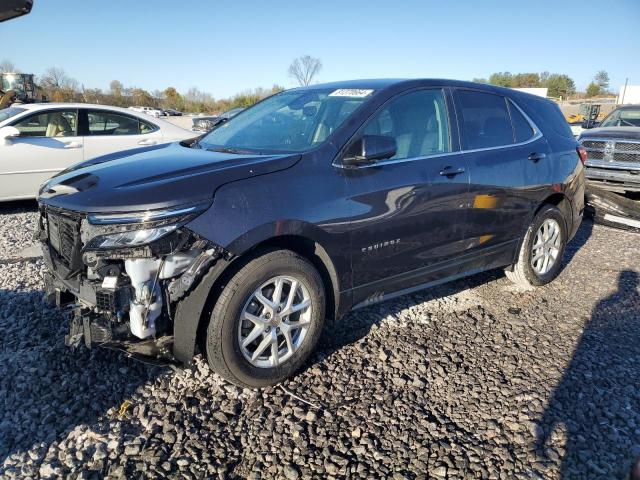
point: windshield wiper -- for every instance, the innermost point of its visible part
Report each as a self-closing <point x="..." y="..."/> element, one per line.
<point x="231" y="150"/>
<point x="219" y="121"/>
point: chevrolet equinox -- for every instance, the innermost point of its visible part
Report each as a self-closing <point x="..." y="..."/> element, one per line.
<point x="313" y="202"/>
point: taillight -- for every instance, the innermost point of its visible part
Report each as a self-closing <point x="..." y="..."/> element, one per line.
<point x="582" y="153"/>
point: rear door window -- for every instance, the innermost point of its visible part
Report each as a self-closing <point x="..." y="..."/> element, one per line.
<point x="485" y="120"/>
<point x="110" y="123"/>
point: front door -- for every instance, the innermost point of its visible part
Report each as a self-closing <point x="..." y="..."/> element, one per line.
<point x="408" y="210"/>
<point x="48" y="143"/>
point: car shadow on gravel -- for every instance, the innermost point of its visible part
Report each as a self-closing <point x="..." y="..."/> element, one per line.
<point x="596" y="404"/>
<point x="48" y="389"/>
<point x="18" y="206"/>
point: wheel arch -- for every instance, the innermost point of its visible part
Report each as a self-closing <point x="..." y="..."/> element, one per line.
<point x="558" y="200"/>
<point x="317" y="254"/>
<point x="192" y="312"/>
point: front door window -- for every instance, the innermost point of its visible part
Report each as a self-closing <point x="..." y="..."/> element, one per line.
<point x="57" y="123"/>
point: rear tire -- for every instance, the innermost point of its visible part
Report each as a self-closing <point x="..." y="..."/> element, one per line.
<point x="540" y="256"/>
<point x="267" y="320"/>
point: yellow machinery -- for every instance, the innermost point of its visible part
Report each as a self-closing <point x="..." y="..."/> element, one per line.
<point x="16" y="87"/>
<point x="588" y="112"/>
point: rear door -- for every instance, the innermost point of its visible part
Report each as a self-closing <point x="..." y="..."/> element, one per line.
<point x="107" y="131"/>
<point x="507" y="158"/>
<point x="408" y="210"/>
<point x="48" y="143"/>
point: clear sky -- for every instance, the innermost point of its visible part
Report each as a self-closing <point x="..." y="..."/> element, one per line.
<point x="224" y="47"/>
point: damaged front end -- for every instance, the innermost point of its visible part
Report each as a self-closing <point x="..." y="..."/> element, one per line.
<point x="122" y="275"/>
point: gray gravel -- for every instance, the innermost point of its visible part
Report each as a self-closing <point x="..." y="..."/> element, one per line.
<point x="475" y="379"/>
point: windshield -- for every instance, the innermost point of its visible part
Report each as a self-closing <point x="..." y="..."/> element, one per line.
<point x="625" y="117"/>
<point x="292" y="121"/>
<point x="12" y="81"/>
<point x="10" y="112"/>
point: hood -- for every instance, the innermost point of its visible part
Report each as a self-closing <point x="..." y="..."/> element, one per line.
<point x="153" y="177"/>
<point x="623" y="133"/>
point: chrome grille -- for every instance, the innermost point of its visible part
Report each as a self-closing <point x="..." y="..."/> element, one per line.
<point x="628" y="146"/>
<point x="626" y="157"/>
<point x="592" y="144"/>
<point x="621" y="151"/>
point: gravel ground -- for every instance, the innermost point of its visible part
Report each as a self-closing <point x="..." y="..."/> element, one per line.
<point x="474" y="379"/>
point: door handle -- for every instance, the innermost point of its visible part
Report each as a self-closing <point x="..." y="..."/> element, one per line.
<point x="451" y="172"/>
<point x="147" y="142"/>
<point x="72" y="145"/>
<point x="536" y="157"/>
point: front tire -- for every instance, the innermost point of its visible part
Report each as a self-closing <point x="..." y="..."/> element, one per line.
<point x="540" y="256"/>
<point x="267" y="320"/>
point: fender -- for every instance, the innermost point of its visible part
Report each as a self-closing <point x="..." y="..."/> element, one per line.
<point x="291" y="202"/>
<point x="190" y="310"/>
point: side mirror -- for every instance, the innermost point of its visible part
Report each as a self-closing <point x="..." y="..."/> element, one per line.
<point x="8" y="133"/>
<point x="590" y="124"/>
<point x="369" y="149"/>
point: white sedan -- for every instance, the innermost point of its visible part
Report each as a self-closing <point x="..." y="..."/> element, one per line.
<point x="39" y="140"/>
<point x="154" y="112"/>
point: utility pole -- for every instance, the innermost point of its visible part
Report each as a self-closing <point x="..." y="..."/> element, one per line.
<point x="624" y="90"/>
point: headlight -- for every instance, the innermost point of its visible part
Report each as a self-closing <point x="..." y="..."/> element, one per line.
<point x="130" y="239"/>
<point x="147" y="216"/>
<point x="117" y="230"/>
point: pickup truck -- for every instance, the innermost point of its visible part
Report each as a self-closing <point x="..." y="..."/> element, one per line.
<point x="613" y="150"/>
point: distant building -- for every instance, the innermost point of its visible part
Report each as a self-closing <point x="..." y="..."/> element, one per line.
<point x="539" y="91"/>
<point x="629" y="94"/>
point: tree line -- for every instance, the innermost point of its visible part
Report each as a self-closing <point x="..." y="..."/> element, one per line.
<point x="57" y="86"/>
<point x="558" y="84"/>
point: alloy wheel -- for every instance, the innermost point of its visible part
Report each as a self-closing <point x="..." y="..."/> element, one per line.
<point x="274" y="321"/>
<point x="546" y="246"/>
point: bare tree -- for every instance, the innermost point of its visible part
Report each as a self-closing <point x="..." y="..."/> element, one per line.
<point x="92" y="95"/>
<point x="57" y="78"/>
<point x="6" y="66"/>
<point x="304" y="69"/>
<point x="58" y="85"/>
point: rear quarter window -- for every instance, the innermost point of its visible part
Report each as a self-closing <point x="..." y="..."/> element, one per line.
<point x="549" y="117"/>
<point x="521" y="127"/>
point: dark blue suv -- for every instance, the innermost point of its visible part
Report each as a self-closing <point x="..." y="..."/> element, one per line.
<point x="311" y="203"/>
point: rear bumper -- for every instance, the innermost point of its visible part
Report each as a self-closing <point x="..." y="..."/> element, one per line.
<point x="575" y="194"/>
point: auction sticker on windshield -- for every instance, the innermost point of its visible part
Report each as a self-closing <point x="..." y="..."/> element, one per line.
<point x="351" y="92"/>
